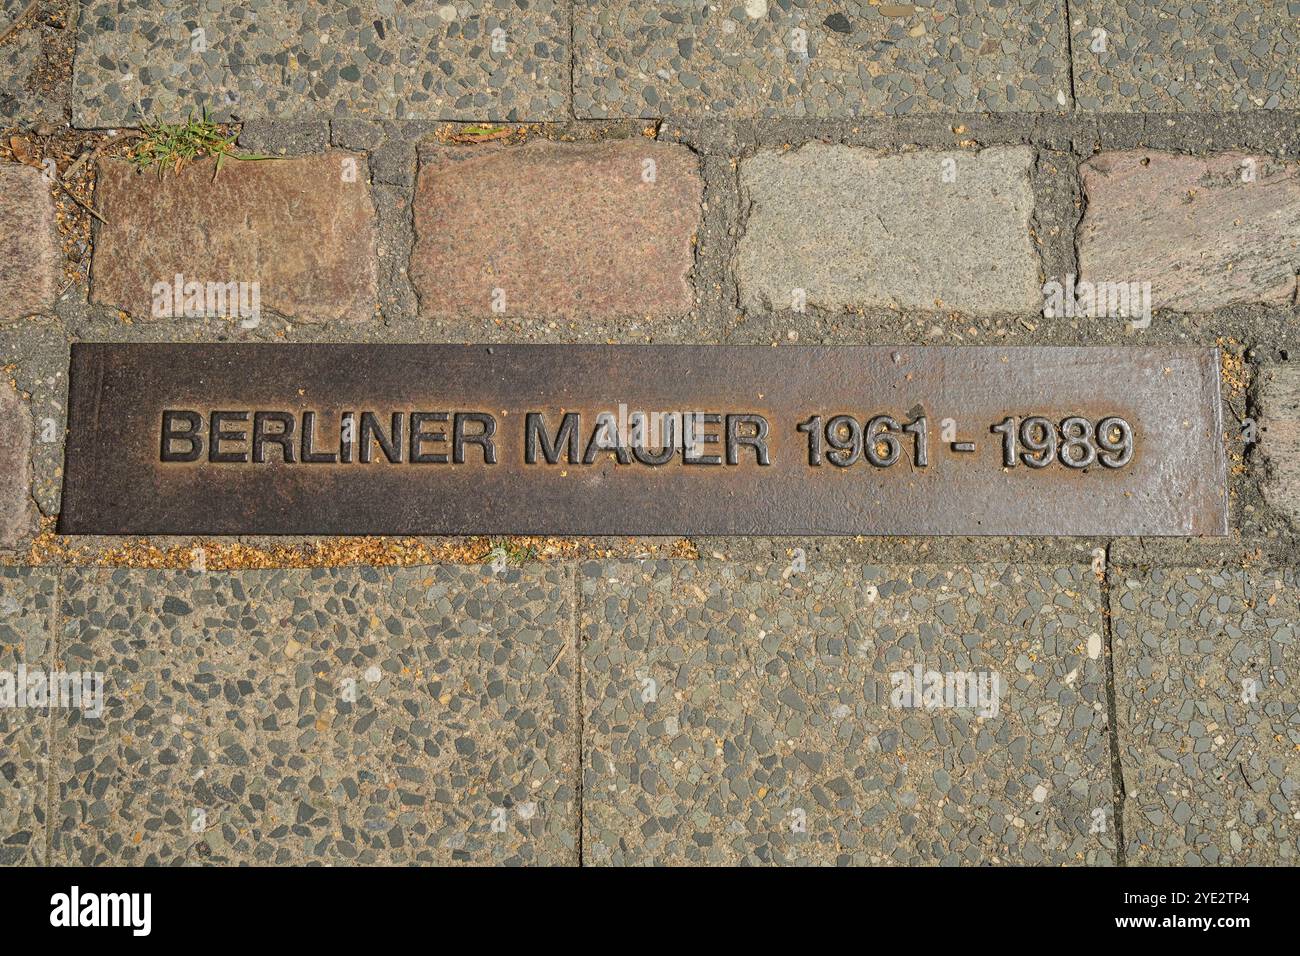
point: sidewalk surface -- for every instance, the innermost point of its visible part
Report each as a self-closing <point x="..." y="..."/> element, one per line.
<point x="786" y="174"/>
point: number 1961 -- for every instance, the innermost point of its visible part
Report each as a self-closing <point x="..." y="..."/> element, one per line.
<point x="844" y="441"/>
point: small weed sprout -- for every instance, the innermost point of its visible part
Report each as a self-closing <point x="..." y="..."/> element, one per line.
<point x="167" y="146"/>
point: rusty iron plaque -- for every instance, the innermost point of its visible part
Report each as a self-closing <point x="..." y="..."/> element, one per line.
<point x="643" y="440"/>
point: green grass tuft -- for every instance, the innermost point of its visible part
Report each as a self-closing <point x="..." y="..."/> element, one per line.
<point x="510" y="551"/>
<point x="169" y="146"/>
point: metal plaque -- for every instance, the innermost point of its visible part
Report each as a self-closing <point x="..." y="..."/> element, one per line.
<point x="643" y="440"/>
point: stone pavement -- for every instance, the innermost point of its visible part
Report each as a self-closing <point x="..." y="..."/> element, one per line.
<point x="773" y="172"/>
<point x="1207" y="715"/>
<point x="293" y="716"/>
<point x="737" y="715"/>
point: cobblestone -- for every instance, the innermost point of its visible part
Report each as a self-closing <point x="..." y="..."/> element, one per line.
<point x="15" y="468"/>
<point x="298" y="233"/>
<point x="1204" y="231"/>
<point x="29" y="255"/>
<point x="557" y="230"/>
<point x="838" y="227"/>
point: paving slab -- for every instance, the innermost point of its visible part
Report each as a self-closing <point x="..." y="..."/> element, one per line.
<point x="294" y="236"/>
<point x="1209" y="728"/>
<point x="35" y="60"/>
<point x="19" y="56"/>
<point x="1279" y="436"/>
<point x="1175" y="56"/>
<point x="840" y="227"/>
<point x="818" y="58"/>
<point x="351" y="716"/>
<point x="1204" y="231"/>
<point x="26" y="640"/>
<point x="16" y="511"/>
<point x="37" y="355"/>
<point x="29" y="250"/>
<point x="463" y="59"/>
<point x="557" y="230"/>
<point x="752" y="714"/>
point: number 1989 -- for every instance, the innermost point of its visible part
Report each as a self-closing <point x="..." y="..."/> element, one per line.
<point x="1075" y="443"/>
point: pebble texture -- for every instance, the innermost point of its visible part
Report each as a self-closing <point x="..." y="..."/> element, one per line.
<point x="303" y="229"/>
<point x="32" y="81"/>
<point x="1176" y="55"/>
<point x="26" y="638"/>
<point x="1194" y="227"/>
<point x="772" y="708"/>
<point x="16" y="510"/>
<point x="557" y="229"/>
<point x="19" y="56"/>
<point x="818" y="58"/>
<point x="855" y="229"/>
<point x="468" y="59"/>
<point x="29" y="254"/>
<point x="1211" y="765"/>
<point x="228" y="735"/>
<point x="1279" y="427"/>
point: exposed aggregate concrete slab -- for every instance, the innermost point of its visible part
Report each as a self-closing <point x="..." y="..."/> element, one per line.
<point x="746" y="714"/>
<point x="350" y="716"/>
<point x="818" y="58"/>
<point x="26" y="640"/>
<point x="1160" y="55"/>
<point x="1209" y="716"/>
<point x="469" y="59"/>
